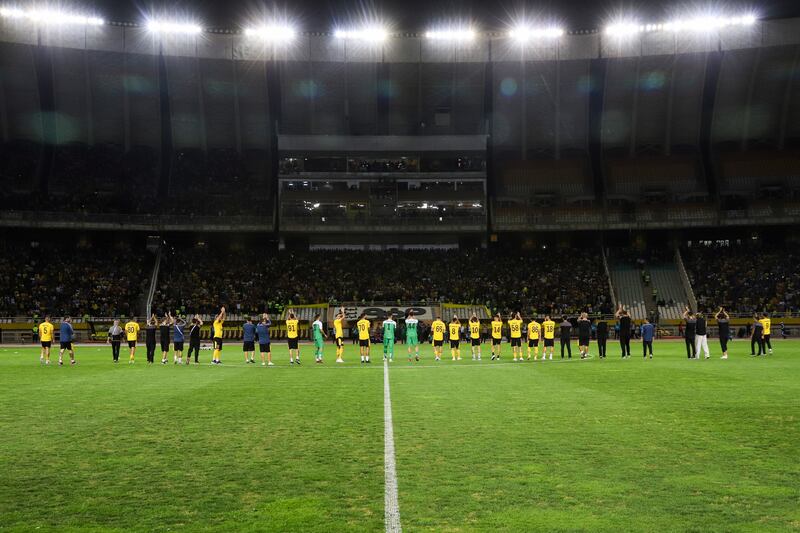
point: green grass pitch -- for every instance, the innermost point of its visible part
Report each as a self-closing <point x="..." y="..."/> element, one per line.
<point x="658" y="445"/>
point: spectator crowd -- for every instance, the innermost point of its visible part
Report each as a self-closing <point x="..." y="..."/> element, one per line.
<point x="62" y="279"/>
<point x="251" y="280"/>
<point x="745" y="278"/>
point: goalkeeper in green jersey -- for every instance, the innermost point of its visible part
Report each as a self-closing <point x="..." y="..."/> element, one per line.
<point x="318" y="332"/>
<point x="389" y="327"/>
<point x="412" y="340"/>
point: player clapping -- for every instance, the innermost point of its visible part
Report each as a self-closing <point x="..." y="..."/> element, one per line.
<point x="475" y="336"/>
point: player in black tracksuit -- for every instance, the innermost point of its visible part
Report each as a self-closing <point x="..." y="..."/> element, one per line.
<point x="689" y="333"/>
<point x="566" y="334"/>
<point x="757" y="338"/>
<point x="724" y="326"/>
<point x="150" y="339"/>
<point x="602" y="338"/>
<point x="624" y="331"/>
<point x="194" y="340"/>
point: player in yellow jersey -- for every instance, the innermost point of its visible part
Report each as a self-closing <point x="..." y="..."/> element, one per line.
<point x="497" y="336"/>
<point x="454" y="334"/>
<point x="363" y="326"/>
<point x="437" y="331"/>
<point x="292" y="335"/>
<point x="131" y="334"/>
<point x="549" y="334"/>
<point x="515" y="332"/>
<point x="46" y="338"/>
<point x="767" y="323"/>
<point x="534" y="332"/>
<point x="475" y="336"/>
<point x="338" y="334"/>
<point x="216" y="335"/>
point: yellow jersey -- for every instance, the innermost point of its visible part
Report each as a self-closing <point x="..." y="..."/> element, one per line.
<point x="767" y="323"/>
<point x="497" y="329"/>
<point x="533" y="330"/>
<point x="475" y="330"/>
<point x="438" y="330"/>
<point x="337" y="328"/>
<point x="291" y="328"/>
<point x="549" y="329"/>
<point x="515" y="326"/>
<point x="363" y="329"/>
<point x="46" y="332"/>
<point x="217" y="327"/>
<point x="455" y="331"/>
<point x="131" y="331"/>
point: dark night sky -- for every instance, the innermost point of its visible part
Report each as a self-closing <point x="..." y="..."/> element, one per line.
<point x="419" y="15"/>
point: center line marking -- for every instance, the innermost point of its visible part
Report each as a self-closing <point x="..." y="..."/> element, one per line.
<point x="391" y="506"/>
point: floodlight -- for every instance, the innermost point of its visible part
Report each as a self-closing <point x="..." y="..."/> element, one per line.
<point x="371" y="34"/>
<point x="465" y="34"/>
<point x="273" y="33"/>
<point x="50" y="16"/>
<point x="622" y="29"/>
<point x="159" y="26"/>
<point x="524" y="33"/>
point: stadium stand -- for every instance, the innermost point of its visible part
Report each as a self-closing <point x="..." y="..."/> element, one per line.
<point x="745" y="278"/>
<point x="60" y="279"/>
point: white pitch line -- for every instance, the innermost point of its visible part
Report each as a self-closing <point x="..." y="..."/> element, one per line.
<point x="391" y="514"/>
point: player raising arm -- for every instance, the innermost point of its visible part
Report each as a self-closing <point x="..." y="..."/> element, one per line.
<point x="497" y="336"/>
<point x="338" y="334"/>
<point x="163" y="334"/>
<point x="475" y="336"/>
<point x="216" y="328"/>
<point x="724" y="327"/>
<point x="262" y="332"/>
<point x="363" y="326"/>
<point x="178" y="338"/>
<point x="46" y="338"/>
<point x="549" y="328"/>
<point x="455" y="337"/>
<point x="584" y="334"/>
<point x="412" y="335"/>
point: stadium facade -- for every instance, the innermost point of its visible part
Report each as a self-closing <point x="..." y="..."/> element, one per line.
<point x="408" y="140"/>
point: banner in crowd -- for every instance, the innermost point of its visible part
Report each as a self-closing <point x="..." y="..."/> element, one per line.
<point x="381" y="312"/>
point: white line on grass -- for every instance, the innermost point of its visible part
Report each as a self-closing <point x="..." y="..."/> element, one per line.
<point x="391" y="514"/>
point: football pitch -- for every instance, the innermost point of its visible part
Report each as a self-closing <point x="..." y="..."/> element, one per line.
<point x="615" y="445"/>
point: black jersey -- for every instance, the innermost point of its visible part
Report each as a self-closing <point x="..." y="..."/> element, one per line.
<point x="163" y="333"/>
<point x="691" y="327"/>
<point x="194" y="333"/>
<point x="566" y="329"/>
<point x="625" y="326"/>
<point x="602" y="329"/>
<point x="700" y="326"/>
<point x="150" y="335"/>
<point x="724" y="328"/>
<point x="758" y="329"/>
<point x="584" y="328"/>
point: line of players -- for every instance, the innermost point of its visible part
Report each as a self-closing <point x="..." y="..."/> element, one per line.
<point x="695" y="337"/>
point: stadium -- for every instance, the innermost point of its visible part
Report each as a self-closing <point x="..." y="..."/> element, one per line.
<point x="460" y="277"/>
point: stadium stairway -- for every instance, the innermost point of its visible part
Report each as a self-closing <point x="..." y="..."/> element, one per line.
<point x="627" y="281"/>
<point x="666" y="281"/>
